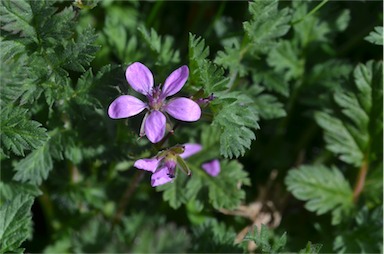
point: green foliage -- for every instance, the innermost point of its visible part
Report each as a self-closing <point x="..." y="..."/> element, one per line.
<point x="324" y="190"/>
<point x="354" y="134"/>
<point x="35" y="167"/>
<point x="213" y="236"/>
<point x="12" y="21"/>
<point x="221" y="191"/>
<point x="204" y="74"/>
<point x="376" y="36"/>
<point x="234" y="115"/>
<point x="267" y="24"/>
<point x="265" y="241"/>
<point x="363" y="234"/>
<point x="235" y="120"/>
<point x="162" y="48"/>
<point x="18" y="133"/>
<point x="311" y="248"/>
<point x="284" y="58"/>
<point x="15" y="223"/>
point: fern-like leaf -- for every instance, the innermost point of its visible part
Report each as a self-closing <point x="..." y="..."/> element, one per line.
<point x="12" y="21"/>
<point x="267" y="24"/>
<point x="35" y="167"/>
<point x="356" y="133"/>
<point x="18" y="133"/>
<point x="376" y="36"/>
<point x="15" y="223"/>
<point x="324" y="189"/>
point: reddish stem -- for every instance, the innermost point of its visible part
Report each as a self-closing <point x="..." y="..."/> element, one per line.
<point x="359" y="186"/>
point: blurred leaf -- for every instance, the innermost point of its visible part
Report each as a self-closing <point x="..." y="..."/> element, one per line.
<point x="18" y="133"/>
<point x="324" y="190"/>
<point x="311" y="248"/>
<point x="359" y="130"/>
<point x="12" y="21"/>
<point x="267" y="24"/>
<point x="285" y="58"/>
<point x="376" y="36"/>
<point x="223" y="190"/>
<point x="15" y="223"/>
<point x="263" y="239"/>
<point x="163" y="48"/>
<point x="213" y="236"/>
<point x="9" y="190"/>
<point x="363" y="234"/>
<point x="174" y="192"/>
<point x="35" y="167"/>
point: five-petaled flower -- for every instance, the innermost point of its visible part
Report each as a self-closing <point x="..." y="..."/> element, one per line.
<point x="141" y="80"/>
<point x="164" y="165"/>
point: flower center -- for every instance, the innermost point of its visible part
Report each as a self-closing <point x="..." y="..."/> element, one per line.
<point x="155" y="100"/>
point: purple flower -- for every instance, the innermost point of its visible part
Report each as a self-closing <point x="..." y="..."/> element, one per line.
<point x="163" y="166"/>
<point x="141" y="80"/>
<point x="212" y="167"/>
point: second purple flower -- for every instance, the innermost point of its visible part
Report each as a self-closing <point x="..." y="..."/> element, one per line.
<point x="140" y="78"/>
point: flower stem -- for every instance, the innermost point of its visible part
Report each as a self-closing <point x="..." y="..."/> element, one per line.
<point x="126" y="197"/>
<point x="359" y="186"/>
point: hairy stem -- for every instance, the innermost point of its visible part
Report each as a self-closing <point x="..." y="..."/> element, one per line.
<point x="359" y="186"/>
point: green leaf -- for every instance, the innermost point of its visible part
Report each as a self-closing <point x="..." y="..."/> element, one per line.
<point x="326" y="25"/>
<point x="77" y="55"/>
<point x="263" y="239"/>
<point x="163" y="48"/>
<point x="16" y="17"/>
<point x="18" y="133"/>
<point x="235" y="120"/>
<point x="339" y="139"/>
<point x="267" y="24"/>
<point x="223" y="190"/>
<point x="311" y="248"/>
<point x="355" y="134"/>
<point x="15" y="223"/>
<point x="35" y="167"/>
<point x="324" y="189"/>
<point x="266" y="105"/>
<point x="203" y="73"/>
<point x="285" y="59"/>
<point x="362" y="234"/>
<point x="376" y="36"/>
<point x="174" y="192"/>
<point x="213" y="237"/>
<point x="9" y="190"/>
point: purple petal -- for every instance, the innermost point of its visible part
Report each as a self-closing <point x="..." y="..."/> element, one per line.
<point x="147" y="164"/>
<point x="212" y="167"/>
<point x="154" y="126"/>
<point x="190" y="149"/>
<point x="160" y="177"/>
<point x="175" y="81"/>
<point x="183" y="109"/>
<point x="125" y="106"/>
<point x="140" y="78"/>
